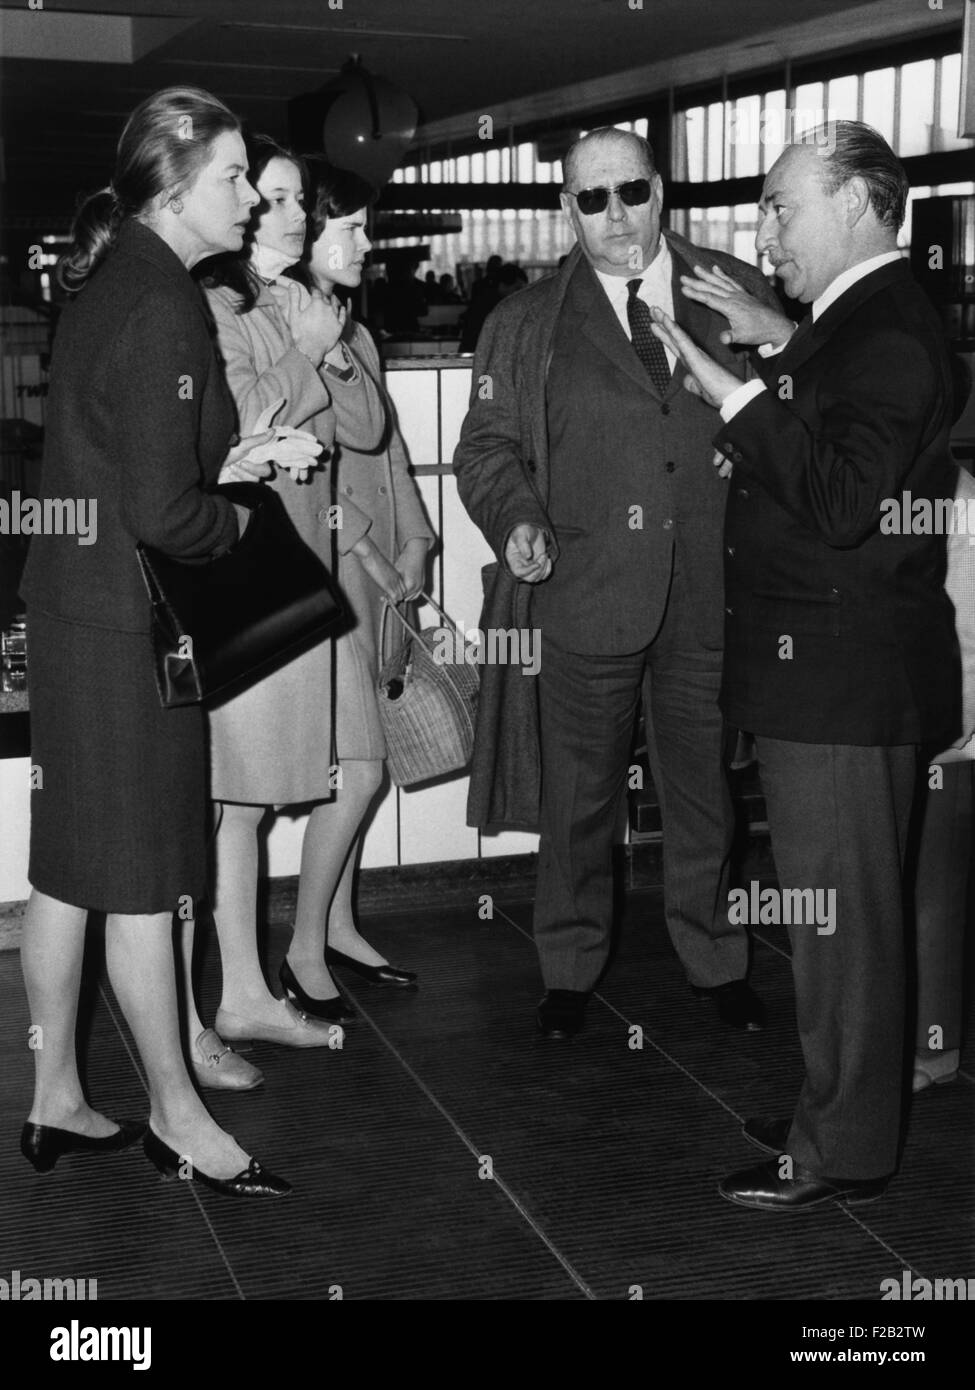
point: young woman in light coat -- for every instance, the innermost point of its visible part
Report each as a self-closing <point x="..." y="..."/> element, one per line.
<point x="372" y="480"/>
<point x="272" y="745"/>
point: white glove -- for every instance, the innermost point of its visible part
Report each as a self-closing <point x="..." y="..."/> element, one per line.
<point x="293" y="449"/>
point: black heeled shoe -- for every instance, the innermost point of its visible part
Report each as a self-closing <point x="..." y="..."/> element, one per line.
<point x="337" y="1010"/>
<point x="373" y="974"/>
<point x="43" y="1145"/>
<point x="254" y="1181"/>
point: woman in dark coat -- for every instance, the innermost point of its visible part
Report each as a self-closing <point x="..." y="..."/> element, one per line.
<point x="139" y="422"/>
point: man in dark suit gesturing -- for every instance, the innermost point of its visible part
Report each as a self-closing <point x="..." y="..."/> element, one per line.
<point x="590" y="471"/>
<point x="840" y="649"/>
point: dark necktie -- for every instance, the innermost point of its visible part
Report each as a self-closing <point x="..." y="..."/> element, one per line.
<point x="804" y="331"/>
<point x="648" y="346"/>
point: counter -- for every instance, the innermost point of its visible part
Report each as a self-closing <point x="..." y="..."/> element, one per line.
<point x="407" y="827"/>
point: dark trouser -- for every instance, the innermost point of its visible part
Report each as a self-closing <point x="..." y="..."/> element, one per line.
<point x="587" y="708"/>
<point x="838" y="817"/>
<point x="941" y="904"/>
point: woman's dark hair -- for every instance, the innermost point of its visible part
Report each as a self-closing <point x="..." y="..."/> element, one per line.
<point x="167" y="141"/>
<point x="333" y="193"/>
<point x="234" y="270"/>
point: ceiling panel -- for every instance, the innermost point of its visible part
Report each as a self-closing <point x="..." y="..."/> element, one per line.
<point x="457" y="58"/>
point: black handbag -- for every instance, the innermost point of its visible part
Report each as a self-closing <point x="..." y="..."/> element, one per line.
<point x="222" y="620"/>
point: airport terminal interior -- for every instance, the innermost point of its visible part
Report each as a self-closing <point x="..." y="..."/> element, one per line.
<point x="442" y="1148"/>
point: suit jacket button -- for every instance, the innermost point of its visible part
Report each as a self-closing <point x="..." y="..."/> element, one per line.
<point x="670" y="465"/>
<point x="743" y="493"/>
<point x="531" y="465"/>
<point x="730" y="612"/>
<point x="665" y="409"/>
<point x="348" y="490"/>
<point x="382" y="492"/>
<point x="737" y="456"/>
<point x="668" y="525"/>
<point x="323" y="515"/>
<point x="731" y="551"/>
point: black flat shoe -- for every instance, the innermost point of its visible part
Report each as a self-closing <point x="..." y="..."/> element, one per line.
<point x="254" y="1181"/>
<point x="43" y="1145"/>
<point x="737" y="1003"/>
<point x="374" y="974"/>
<point x="763" y="1189"/>
<point x="562" y="1014"/>
<point x="337" y="1010"/>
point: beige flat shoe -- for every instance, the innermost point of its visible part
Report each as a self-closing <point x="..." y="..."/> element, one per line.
<point x="936" y="1070"/>
<point x="298" y="1031"/>
<point x="219" y="1068"/>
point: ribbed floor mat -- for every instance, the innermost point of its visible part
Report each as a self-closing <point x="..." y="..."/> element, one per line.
<point x="447" y="1152"/>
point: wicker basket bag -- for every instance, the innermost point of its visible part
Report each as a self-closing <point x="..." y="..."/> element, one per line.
<point x="427" y="704"/>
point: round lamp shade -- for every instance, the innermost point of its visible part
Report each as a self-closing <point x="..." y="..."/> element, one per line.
<point x="363" y="123"/>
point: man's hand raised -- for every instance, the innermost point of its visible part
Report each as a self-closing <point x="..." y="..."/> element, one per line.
<point x="750" y="320"/>
<point x="526" y="553"/>
<point x="706" y="378"/>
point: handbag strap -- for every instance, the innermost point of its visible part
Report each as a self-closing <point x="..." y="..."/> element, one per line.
<point x="148" y="577"/>
<point x="409" y="626"/>
<point x="387" y="608"/>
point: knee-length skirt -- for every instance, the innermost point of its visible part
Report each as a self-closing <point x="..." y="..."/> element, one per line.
<point x="118" y="805"/>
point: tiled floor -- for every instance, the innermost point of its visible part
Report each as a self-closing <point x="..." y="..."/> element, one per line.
<point x="446" y="1152"/>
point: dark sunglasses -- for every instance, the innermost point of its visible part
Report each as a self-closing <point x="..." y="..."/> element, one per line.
<point x="592" y="200"/>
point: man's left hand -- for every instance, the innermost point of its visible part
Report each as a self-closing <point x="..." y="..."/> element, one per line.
<point x="706" y="378"/>
<point x="750" y="320"/>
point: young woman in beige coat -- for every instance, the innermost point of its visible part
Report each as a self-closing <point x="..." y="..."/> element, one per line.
<point x="272" y="745"/>
<point x="372" y="479"/>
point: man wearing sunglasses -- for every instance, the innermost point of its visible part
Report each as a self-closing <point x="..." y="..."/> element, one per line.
<point x="590" y="471"/>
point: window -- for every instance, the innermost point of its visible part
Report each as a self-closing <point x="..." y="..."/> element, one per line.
<point x="715" y="142"/>
<point x="878" y="101"/>
<point x="774" y="133"/>
<point x="808" y="108"/>
<point x="743" y="144"/>
<point x="843" y="97"/>
<point x="914" y="104"/>
<point x="916" y="125"/>
<point x="946" y="132"/>
<point x="692" y="128"/>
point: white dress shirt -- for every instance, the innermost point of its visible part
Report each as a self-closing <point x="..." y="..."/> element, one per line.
<point x="656" y="289"/>
<point x="740" y="397"/>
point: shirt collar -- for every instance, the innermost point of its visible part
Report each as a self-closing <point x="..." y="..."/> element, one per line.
<point x="659" y="271"/>
<point x="849" y="278"/>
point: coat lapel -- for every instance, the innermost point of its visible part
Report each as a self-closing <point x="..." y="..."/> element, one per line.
<point x="809" y="342"/>
<point x="594" y="317"/>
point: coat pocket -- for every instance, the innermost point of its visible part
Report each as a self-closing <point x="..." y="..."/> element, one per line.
<point x="820" y="614"/>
